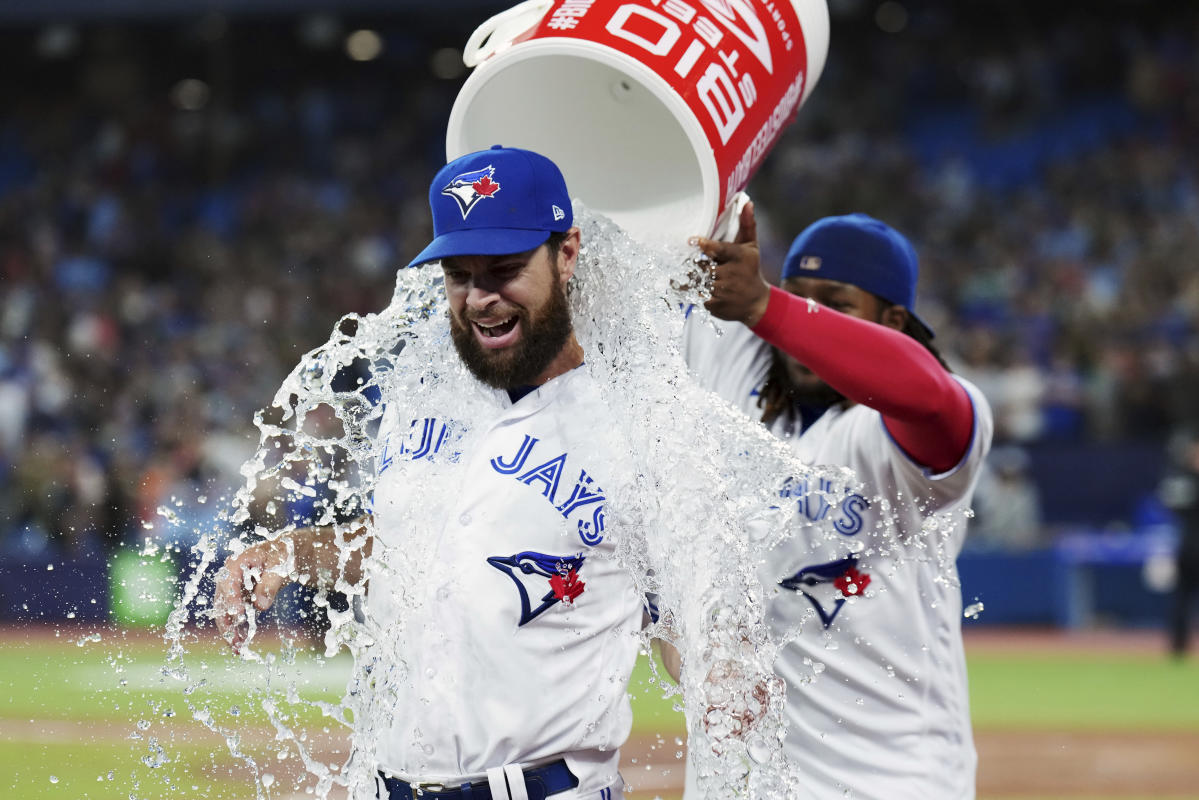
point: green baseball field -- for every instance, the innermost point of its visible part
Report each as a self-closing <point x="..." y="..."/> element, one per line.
<point x="99" y="714"/>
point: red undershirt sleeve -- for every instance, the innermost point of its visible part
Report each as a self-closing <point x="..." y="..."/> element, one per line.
<point x="926" y="411"/>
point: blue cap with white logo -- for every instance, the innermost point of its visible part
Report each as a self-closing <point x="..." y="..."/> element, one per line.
<point x="495" y="202"/>
<point x="859" y="250"/>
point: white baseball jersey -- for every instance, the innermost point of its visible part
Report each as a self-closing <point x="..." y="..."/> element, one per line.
<point x="524" y="631"/>
<point x="877" y="701"/>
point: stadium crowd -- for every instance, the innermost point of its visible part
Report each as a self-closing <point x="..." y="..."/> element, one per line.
<point x="169" y="247"/>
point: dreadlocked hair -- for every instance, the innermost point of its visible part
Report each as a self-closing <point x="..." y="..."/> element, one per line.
<point x="921" y="334"/>
<point x="776" y="396"/>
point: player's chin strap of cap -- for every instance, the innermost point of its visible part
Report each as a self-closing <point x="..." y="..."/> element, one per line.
<point x="503" y="783"/>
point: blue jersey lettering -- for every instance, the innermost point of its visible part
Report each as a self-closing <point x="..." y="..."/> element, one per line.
<point x="548" y="474"/>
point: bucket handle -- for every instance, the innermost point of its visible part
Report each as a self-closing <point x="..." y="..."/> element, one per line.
<point x="498" y="32"/>
<point x="728" y="224"/>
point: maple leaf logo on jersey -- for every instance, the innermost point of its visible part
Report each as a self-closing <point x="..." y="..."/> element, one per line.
<point x="471" y="187"/>
<point x="844" y="576"/>
<point x="566" y="587"/>
<point x="527" y="567"/>
<point x="852" y="582"/>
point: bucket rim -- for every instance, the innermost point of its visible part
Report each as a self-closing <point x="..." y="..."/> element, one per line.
<point x="588" y="50"/>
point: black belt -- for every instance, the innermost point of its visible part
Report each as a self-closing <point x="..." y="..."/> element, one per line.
<point x="540" y="783"/>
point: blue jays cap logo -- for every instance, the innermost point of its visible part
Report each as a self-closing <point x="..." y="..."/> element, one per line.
<point x="471" y="187"/>
<point x="562" y="572"/>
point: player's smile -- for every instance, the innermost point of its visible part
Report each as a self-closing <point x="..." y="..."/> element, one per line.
<point x="494" y="333"/>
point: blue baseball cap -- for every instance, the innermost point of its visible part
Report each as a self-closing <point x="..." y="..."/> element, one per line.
<point x="495" y="202"/>
<point x="859" y="250"/>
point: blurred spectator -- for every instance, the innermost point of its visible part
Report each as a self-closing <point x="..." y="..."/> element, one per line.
<point x="1007" y="507"/>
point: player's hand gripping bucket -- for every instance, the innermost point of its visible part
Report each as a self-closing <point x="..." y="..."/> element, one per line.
<point x="657" y="111"/>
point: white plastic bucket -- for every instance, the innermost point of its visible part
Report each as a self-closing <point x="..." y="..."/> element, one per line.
<point x="657" y="111"/>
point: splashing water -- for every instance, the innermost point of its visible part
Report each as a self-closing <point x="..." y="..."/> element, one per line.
<point x="691" y="523"/>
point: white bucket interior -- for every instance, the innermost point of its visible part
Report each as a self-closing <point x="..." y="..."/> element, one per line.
<point x="614" y="134"/>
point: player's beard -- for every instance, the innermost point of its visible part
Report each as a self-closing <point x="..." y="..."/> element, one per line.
<point x="802" y="386"/>
<point x="542" y="338"/>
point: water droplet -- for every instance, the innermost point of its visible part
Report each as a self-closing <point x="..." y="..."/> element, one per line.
<point x="973" y="610"/>
<point x="156" y="757"/>
<point x="169" y="515"/>
<point x="53" y="779"/>
<point x="758" y="749"/>
<point x="465" y="518"/>
<point x="268" y="780"/>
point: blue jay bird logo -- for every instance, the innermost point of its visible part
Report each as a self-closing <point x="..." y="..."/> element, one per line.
<point x="471" y="187"/>
<point x="842" y="574"/>
<point x="562" y="572"/>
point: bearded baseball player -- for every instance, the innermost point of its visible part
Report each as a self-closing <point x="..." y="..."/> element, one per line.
<point x="837" y="362"/>
<point x="516" y="670"/>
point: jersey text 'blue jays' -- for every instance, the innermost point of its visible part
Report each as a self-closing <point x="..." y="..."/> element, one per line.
<point x="585" y="496"/>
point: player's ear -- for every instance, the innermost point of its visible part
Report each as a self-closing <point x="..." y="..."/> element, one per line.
<point x="568" y="255"/>
<point x="895" y="317"/>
